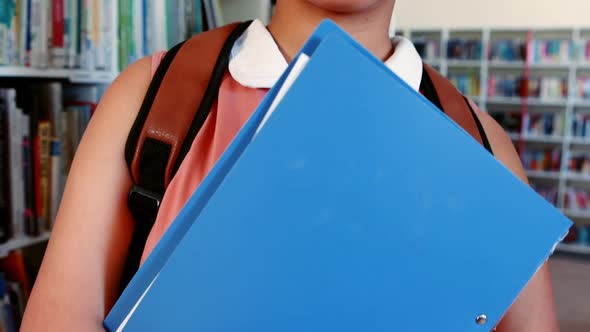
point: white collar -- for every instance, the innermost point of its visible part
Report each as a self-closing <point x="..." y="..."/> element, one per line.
<point x="257" y="62"/>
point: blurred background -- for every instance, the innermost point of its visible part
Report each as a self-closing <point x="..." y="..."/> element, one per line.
<point x="525" y="62"/>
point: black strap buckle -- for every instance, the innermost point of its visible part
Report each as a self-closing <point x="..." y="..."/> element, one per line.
<point x="144" y="204"/>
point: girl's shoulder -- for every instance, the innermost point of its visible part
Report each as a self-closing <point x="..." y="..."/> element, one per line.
<point x="156" y="58"/>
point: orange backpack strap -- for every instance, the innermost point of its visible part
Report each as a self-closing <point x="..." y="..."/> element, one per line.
<point x="443" y="94"/>
<point x="183" y="89"/>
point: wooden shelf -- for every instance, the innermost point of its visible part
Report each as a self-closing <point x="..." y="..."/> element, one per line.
<point x="21" y="242"/>
<point x="73" y="75"/>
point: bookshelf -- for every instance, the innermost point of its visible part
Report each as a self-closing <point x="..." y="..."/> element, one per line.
<point x="72" y="75"/>
<point x="555" y="63"/>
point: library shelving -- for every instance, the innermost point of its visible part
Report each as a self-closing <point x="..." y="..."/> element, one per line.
<point x="536" y="84"/>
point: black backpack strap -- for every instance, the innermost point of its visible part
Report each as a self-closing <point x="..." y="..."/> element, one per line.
<point x="176" y="105"/>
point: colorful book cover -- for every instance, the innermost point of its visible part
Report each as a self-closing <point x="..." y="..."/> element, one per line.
<point x="4" y="176"/>
<point x="124" y="32"/>
<point x="86" y="33"/>
<point x="98" y="37"/>
<point x="31" y="226"/>
<point x="58" y="45"/>
<point x="44" y="173"/>
<point x="3" y="32"/>
<point x="28" y="33"/>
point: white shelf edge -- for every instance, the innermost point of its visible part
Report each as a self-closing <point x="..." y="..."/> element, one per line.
<point x="518" y="101"/>
<point x="519" y="65"/>
<point x="579" y="140"/>
<point x="544" y="175"/>
<point x="74" y="75"/>
<point x="577" y="215"/>
<point x="546" y="139"/>
<point x="571" y="176"/>
<point x="22" y="242"/>
<point x="464" y="63"/>
<point x="573" y="249"/>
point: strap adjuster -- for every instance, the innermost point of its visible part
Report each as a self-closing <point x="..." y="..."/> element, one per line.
<point x="144" y="204"/>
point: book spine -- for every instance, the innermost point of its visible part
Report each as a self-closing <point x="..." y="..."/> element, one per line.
<point x="145" y="42"/>
<point x="74" y="33"/>
<point x="15" y="171"/>
<point x="171" y="26"/>
<point x="97" y="34"/>
<point x="58" y="47"/>
<point x="181" y="21"/>
<point x="106" y="28"/>
<point x="3" y="32"/>
<point x="137" y="23"/>
<point x="12" y="26"/>
<point x="4" y="166"/>
<point x="125" y="40"/>
<point x="35" y="33"/>
<point x="57" y="181"/>
<point x="22" y="32"/>
<point x="28" y="34"/>
<point x="7" y="316"/>
<point x="44" y="172"/>
<point x="31" y="226"/>
<point x="86" y="33"/>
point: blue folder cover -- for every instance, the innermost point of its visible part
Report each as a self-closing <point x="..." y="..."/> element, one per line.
<point x="359" y="206"/>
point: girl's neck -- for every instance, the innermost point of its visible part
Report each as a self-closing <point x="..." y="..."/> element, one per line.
<point x="295" y="20"/>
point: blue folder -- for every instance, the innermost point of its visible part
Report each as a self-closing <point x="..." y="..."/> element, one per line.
<point x="358" y="206"/>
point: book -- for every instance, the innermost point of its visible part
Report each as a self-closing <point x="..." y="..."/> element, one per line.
<point x="58" y="45"/>
<point x="4" y="173"/>
<point x="44" y="171"/>
<point x="354" y="233"/>
<point x="3" y="32"/>
<point x="14" y="154"/>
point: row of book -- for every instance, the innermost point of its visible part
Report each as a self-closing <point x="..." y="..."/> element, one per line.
<point x="577" y="199"/>
<point x="579" y="162"/>
<point x="510" y="121"/>
<point x="549" y="50"/>
<point x="464" y="49"/>
<point x="84" y="34"/>
<point x="468" y="84"/>
<point x="57" y="33"/>
<point x="579" y="234"/>
<point x="149" y="26"/>
<point x="509" y="50"/>
<point x="543" y="124"/>
<point x="581" y="125"/>
<point x="583" y="91"/>
<point x="541" y="159"/>
<point x="40" y="128"/>
<point x="548" y="192"/>
<point x="17" y="274"/>
<point x="534" y="87"/>
<point x="428" y="49"/>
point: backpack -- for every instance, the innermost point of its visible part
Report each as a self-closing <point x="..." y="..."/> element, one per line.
<point x="187" y="83"/>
